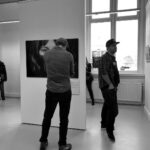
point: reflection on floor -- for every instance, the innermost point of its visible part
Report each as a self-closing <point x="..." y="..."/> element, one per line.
<point x="132" y="130"/>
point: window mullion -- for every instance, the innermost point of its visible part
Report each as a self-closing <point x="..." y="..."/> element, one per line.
<point x="127" y="18"/>
<point x="100" y="20"/>
<point x="113" y="26"/>
<point x="113" y="19"/>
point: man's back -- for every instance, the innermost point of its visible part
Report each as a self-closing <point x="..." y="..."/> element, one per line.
<point x="59" y="67"/>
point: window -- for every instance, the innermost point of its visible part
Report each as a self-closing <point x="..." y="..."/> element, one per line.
<point x="127" y="34"/>
<point x="127" y="4"/>
<point x="100" y="5"/>
<point x="119" y="19"/>
<point x="100" y="32"/>
<point x="97" y="7"/>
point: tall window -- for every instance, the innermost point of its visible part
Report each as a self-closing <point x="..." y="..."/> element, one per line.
<point x="97" y="7"/>
<point x="127" y="4"/>
<point x="117" y="19"/>
<point x="127" y="54"/>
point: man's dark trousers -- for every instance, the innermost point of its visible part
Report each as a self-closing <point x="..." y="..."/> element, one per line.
<point x="109" y="109"/>
<point x="89" y="87"/>
<point x="52" y="99"/>
<point x="2" y="90"/>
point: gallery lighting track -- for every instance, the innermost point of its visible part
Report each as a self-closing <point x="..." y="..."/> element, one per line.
<point x="7" y="22"/>
<point x="14" y="1"/>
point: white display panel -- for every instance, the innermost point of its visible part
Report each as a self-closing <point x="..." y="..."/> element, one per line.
<point x="49" y="20"/>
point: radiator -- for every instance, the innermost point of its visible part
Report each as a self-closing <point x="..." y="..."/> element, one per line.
<point x="127" y="92"/>
<point x="130" y="92"/>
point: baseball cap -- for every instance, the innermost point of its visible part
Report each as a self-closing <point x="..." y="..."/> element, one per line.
<point x="111" y="42"/>
<point x="61" y="41"/>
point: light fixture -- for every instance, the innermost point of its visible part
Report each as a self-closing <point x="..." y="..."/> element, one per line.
<point x="7" y="22"/>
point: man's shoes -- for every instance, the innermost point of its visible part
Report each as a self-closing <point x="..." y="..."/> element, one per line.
<point x="111" y="136"/>
<point x="65" y="147"/>
<point x="43" y="145"/>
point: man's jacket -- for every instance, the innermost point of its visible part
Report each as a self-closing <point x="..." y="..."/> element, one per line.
<point x="3" y="74"/>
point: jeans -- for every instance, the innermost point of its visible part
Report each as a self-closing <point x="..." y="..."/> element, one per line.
<point x="51" y="101"/>
<point x="89" y="87"/>
<point x="109" y="109"/>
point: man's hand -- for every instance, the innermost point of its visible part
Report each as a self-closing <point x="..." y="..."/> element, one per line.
<point x="111" y="86"/>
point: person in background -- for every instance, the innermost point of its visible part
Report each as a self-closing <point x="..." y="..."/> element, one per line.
<point x="59" y="67"/>
<point x="109" y="79"/>
<point x="89" y="80"/>
<point x="3" y="78"/>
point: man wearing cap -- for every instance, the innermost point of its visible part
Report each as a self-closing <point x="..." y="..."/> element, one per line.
<point x="59" y="67"/>
<point x="109" y="79"/>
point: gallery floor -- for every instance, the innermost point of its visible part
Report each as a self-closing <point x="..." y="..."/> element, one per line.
<point x="132" y="130"/>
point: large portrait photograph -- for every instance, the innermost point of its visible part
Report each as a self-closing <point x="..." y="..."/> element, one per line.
<point x="34" y="59"/>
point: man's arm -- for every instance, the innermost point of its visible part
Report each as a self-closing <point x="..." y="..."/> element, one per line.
<point x="108" y="81"/>
<point x="102" y="68"/>
<point x="4" y="74"/>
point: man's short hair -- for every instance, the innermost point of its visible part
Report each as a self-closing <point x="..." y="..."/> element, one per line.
<point x="61" y="41"/>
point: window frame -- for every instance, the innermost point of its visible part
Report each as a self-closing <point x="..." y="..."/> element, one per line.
<point x="140" y="17"/>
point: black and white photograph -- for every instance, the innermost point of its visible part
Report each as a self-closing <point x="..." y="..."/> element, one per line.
<point x="34" y="59"/>
<point x="74" y="74"/>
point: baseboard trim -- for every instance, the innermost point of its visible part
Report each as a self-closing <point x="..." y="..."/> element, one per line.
<point x="14" y="95"/>
<point x="119" y="102"/>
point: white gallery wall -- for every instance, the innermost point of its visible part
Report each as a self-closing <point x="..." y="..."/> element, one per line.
<point x="10" y="48"/>
<point x="51" y="19"/>
<point x="147" y="64"/>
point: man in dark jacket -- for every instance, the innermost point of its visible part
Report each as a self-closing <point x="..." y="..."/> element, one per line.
<point x="3" y="78"/>
<point x="108" y="83"/>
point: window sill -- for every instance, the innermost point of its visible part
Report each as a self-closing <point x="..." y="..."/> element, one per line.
<point x="123" y="74"/>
